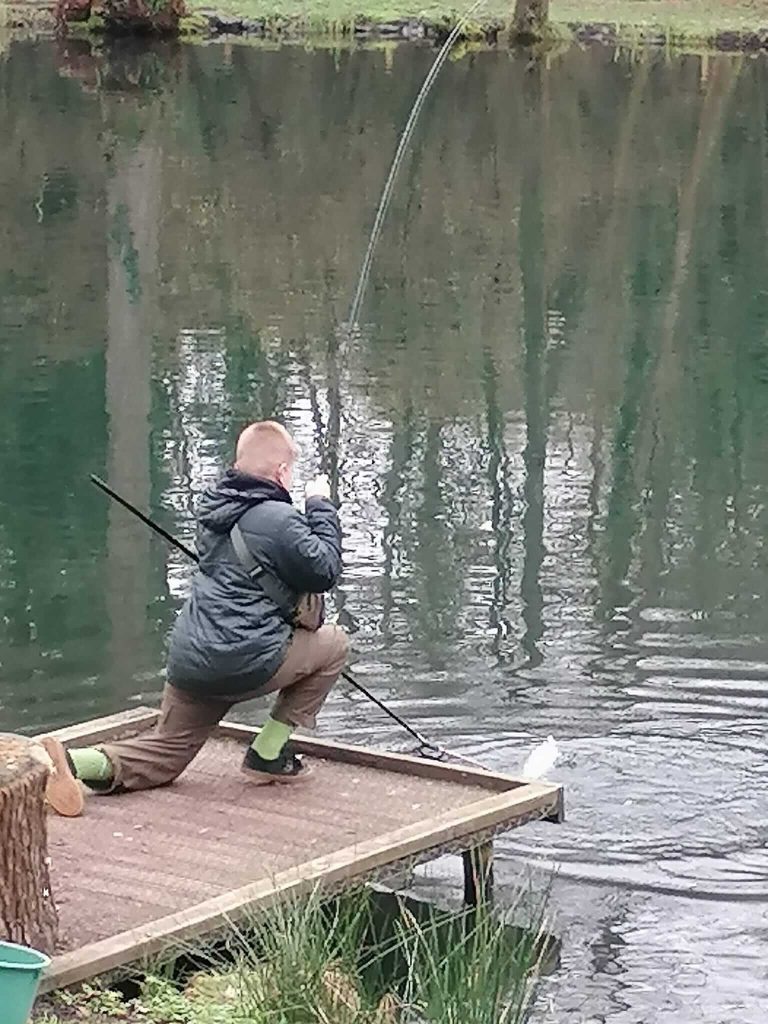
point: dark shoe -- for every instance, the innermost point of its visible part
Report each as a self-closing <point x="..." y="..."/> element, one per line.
<point x="63" y="792"/>
<point x="285" y="768"/>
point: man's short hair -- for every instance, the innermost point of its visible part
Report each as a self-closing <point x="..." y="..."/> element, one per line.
<point x="264" y="446"/>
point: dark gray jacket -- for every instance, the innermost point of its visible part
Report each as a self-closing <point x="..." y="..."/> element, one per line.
<point x="229" y="636"/>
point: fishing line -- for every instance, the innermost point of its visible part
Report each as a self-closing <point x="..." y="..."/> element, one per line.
<point x="426" y="747"/>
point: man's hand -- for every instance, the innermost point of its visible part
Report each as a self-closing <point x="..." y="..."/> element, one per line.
<point x="320" y="487"/>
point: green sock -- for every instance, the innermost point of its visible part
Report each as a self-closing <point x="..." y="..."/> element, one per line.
<point x="271" y="740"/>
<point x="92" y="765"/>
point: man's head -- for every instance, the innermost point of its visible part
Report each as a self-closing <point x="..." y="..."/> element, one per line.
<point x="267" y="450"/>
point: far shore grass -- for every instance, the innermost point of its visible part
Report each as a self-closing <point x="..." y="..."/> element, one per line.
<point x="697" y="25"/>
<point x="699" y="19"/>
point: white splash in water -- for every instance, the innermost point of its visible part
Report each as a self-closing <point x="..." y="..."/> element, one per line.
<point x="541" y="759"/>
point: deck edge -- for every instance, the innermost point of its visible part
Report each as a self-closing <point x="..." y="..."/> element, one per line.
<point x="109" y="727"/>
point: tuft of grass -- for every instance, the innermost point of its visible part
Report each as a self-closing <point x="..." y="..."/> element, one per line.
<point x="315" y="962"/>
<point x="481" y="976"/>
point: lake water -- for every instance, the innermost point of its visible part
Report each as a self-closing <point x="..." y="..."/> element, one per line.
<point x="549" y="434"/>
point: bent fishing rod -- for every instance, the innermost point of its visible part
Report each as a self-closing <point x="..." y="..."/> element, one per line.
<point x="426" y="748"/>
<point x="397" y="160"/>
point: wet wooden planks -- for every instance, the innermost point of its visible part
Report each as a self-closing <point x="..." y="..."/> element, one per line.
<point x="142" y="871"/>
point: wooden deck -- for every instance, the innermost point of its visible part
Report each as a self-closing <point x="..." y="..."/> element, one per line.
<point x="140" y="872"/>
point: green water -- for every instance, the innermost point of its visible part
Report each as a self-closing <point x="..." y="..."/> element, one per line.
<point x="549" y="434"/>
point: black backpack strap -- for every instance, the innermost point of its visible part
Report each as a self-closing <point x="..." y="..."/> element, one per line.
<point x="272" y="586"/>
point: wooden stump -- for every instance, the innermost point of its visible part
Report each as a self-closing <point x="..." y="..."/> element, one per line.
<point x="27" y="911"/>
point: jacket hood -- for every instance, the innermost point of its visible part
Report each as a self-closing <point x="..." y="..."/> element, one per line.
<point x="227" y="500"/>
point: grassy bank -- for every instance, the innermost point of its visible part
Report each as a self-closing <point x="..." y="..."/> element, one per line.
<point x="657" y="20"/>
<point x="717" y="24"/>
<point x="367" y="958"/>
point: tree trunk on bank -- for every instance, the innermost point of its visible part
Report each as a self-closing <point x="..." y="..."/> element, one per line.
<point x="125" y="17"/>
<point x="530" y="20"/>
<point x="131" y="17"/>
<point x="27" y="911"/>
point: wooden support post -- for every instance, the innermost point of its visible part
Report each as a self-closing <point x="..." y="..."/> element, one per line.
<point x="27" y="911"/>
<point x="478" y="875"/>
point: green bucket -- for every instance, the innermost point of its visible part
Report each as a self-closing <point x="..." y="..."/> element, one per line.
<point x="20" y="970"/>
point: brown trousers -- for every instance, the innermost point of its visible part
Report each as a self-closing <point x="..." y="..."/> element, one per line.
<point x="312" y="665"/>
